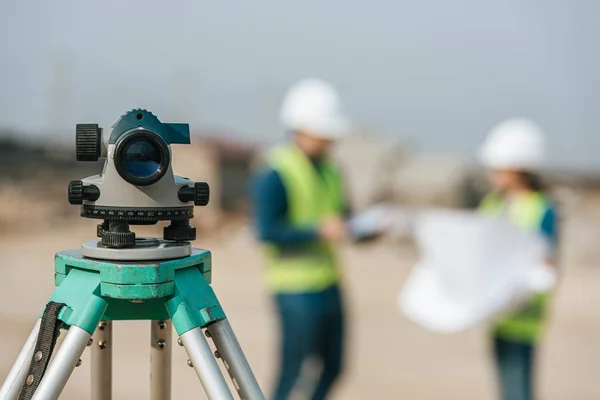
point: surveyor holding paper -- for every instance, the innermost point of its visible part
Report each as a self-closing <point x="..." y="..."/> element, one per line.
<point x="300" y="210"/>
<point x="513" y="152"/>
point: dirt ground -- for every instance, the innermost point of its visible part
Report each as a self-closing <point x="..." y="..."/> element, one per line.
<point x="389" y="357"/>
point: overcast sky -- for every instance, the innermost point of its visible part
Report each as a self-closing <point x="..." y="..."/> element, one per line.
<point x="440" y="72"/>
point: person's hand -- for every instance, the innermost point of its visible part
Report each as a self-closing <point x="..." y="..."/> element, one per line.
<point x="333" y="229"/>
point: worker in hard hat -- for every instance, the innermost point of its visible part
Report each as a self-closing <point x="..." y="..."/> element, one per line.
<point x="299" y="209"/>
<point x="513" y="153"/>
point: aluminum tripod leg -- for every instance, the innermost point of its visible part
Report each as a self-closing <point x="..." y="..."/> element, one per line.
<point x="160" y="360"/>
<point x="63" y="364"/>
<point x="231" y="352"/>
<point x="205" y="365"/>
<point x="16" y="377"/>
<point x="102" y="362"/>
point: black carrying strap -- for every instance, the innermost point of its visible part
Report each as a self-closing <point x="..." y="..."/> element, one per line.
<point x="46" y="340"/>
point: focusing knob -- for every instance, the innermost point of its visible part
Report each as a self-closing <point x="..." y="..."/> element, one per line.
<point x="199" y="194"/>
<point x="87" y="139"/>
<point x="202" y="193"/>
<point x="76" y="192"/>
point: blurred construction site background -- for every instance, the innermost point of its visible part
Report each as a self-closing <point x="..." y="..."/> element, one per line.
<point x="423" y="80"/>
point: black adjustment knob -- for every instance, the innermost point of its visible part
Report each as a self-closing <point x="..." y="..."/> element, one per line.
<point x="118" y="240"/>
<point x="91" y="193"/>
<point x="101" y="228"/>
<point x="202" y="193"/>
<point x="78" y="193"/>
<point x="199" y="194"/>
<point x="180" y="231"/>
<point x="118" y="235"/>
<point x="75" y="192"/>
<point x="87" y="140"/>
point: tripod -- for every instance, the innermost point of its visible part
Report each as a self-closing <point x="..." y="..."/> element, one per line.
<point x="162" y="281"/>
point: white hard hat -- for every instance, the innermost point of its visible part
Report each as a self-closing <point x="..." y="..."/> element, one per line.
<point x="314" y="106"/>
<point x="515" y="144"/>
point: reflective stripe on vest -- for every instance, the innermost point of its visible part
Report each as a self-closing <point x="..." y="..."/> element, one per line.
<point x="311" y="196"/>
<point x="527" y="212"/>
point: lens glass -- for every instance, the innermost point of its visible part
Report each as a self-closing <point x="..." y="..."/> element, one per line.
<point x="140" y="158"/>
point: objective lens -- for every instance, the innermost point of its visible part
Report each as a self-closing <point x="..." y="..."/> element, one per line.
<point x="141" y="158"/>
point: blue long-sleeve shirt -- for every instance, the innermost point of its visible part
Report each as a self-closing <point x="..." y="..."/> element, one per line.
<point x="270" y="207"/>
<point x="549" y="226"/>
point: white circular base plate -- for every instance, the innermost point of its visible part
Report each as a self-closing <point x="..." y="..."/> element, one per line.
<point x="145" y="249"/>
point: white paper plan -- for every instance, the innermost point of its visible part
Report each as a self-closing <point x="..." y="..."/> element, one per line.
<point x="472" y="268"/>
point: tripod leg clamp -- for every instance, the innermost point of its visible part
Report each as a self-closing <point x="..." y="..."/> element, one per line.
<point x="46" y="340"/>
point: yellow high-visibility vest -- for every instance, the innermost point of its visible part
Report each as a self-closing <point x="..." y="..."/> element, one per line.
<point x="527" y="212"/>
<point x="311" y="196"/>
